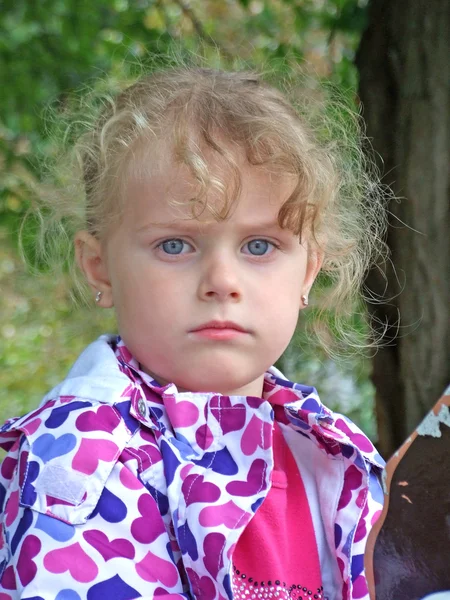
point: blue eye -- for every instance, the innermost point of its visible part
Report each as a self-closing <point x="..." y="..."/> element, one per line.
<point x="174" y="246"/>
<point x="259" y="247"/>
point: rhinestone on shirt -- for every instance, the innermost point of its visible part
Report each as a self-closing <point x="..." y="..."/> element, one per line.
<point x="246" y="588"/>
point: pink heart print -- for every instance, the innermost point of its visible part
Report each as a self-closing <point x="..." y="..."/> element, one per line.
<point x="12" y="508"/>
<point x="255" y="482"/>
<point x="353" y="480"/>
<point x="204" y="437"/>
<point x="204" y="587"/>
<point x="26" y="567"/>
<point x="153" y="568"/>
<point x="8" y="467"/>
<point x="104" y="418"/>
<point x="283" y="396"/>
<point x="128" y="480"/>
<point x="257" y="433"/>
<point x="181" y="414"/>
<point x="358" y="439"/>
<point x="90" y="452"/>
<point x="73" y="559"/>
<point x="213" y="546"/>
<point x="230" y="418"/>
<point x="32" y="426"/>
<point x="195" y="489"/>
<point x="228" y="514"/>
<point x="150" y="525"/>
<point x="109" y="549"/>
<point x="361" y="530"/>
<point x="8" y="580"/>
<point x="66" y="399"/>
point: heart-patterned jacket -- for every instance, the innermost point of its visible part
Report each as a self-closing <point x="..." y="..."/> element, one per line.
<point x="118" y="488"/>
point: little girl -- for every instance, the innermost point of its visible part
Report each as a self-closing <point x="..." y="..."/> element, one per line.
<point x="174" y="461"/>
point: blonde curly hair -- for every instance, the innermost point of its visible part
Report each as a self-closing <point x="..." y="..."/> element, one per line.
<point x="337" y="196"/>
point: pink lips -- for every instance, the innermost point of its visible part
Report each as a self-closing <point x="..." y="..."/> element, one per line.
<point x="219" y="330"/>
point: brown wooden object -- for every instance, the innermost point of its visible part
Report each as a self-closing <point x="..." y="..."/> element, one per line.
<point x="408" y="551"/>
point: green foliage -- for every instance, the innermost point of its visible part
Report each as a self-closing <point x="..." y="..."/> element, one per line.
<point x="40" y="333"/>
<point x="51" y="47"/>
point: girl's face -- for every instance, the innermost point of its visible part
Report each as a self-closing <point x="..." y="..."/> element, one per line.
<point x="207" y="305"/>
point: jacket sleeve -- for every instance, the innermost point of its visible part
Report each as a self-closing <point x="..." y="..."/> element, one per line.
<point x="66" y="534"/>
<point x="371" y="511"/>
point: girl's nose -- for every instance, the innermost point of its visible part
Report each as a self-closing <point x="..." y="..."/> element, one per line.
<point x="219" y="280"/>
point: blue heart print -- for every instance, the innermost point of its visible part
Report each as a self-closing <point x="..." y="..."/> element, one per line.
<point x="347" y="451"/>
<point x="170" y="551"/>
<point x="171" y="463"/>
<point x="227" y="585"/>
<point x="257" y="504"/>
<point x="221" y="462"/>
<point x="112" y="588"/>
<point x="47" y="447"/>
<point x="110" y="507"/>
<point x="2" y="494"/>
<point x="157" y="412"/>
<point x="311" y="404"/>
<point x="357" y="565"/>
<point x="378" y="458"/>
<point x="337" y="535"/>
<point x="161" y="500"/>
<point x="28" y="492"/>
<point x="124" y="410"/>
<point x="67" y="595"/>
<point x="56" y="529"/>
<point x="376" y="490"/>
<point x="59" y="415"/>
<point x="182" y="445"/>
<point x="186" y="541"/>
<point x="22" y="528"/>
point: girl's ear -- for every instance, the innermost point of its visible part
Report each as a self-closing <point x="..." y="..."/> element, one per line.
<point x="313" y="266"/>
<point x="90" y="258"/>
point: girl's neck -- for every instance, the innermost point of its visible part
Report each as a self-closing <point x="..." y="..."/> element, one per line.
<point x="253" y="388"/>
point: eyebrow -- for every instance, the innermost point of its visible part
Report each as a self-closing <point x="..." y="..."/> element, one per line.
<point x="189" y="225"/>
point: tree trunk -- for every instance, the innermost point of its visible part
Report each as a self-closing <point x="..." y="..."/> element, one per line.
<point x="403" y="61"/>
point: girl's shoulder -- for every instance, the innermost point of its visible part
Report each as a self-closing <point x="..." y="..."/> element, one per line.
<point x="66" y="448"/>
<point x="336" y="433"/>
<point x="89" y="393"/>
<point x="64" y="451"/>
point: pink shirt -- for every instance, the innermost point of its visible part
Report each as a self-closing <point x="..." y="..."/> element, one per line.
<point x="276" y="552"/>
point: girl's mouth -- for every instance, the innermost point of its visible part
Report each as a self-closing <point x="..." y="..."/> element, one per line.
<point x="219" y="330"/>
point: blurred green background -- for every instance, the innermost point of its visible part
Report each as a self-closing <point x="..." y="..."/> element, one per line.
<point x="52" y="47"/>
